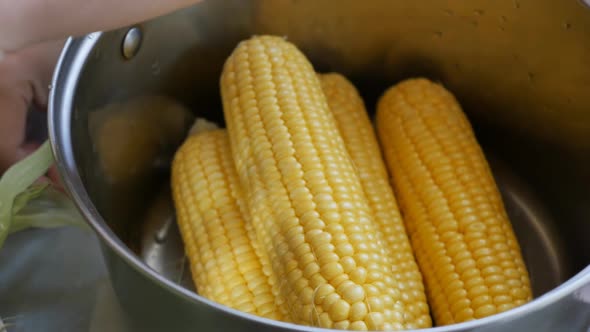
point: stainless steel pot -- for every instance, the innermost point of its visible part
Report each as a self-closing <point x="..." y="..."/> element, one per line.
<point x="521" y="69"/>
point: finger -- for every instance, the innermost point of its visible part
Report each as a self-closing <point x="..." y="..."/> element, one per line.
<point x="24" y="79"/>
<point x="26" y="149"/>
<point x="25" y="22"/>
<point x="53" y="176"/>
<point x="13" y="107"/>
<point x="35" y="67"/>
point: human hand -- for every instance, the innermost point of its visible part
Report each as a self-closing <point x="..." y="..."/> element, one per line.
<point x="24" y="81"/>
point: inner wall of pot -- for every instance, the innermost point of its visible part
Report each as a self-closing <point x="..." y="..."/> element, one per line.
<point x="520" y="69"/>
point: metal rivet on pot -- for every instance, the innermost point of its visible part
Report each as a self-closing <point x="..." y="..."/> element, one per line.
<point x="132" y="42"/>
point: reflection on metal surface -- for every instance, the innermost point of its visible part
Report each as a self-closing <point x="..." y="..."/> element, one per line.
<point x="583" y="294"/>
<point x="161" y="245"/>
<point x="542" y="250"/>
<point x="133" y="143"/>
<point x="129" y="137"/>
<point x="131" y="43"/>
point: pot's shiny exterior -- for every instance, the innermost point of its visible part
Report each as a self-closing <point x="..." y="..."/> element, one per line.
<point x="521" y="69"/>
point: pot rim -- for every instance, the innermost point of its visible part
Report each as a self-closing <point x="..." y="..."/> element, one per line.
<point x="64" y="83"/>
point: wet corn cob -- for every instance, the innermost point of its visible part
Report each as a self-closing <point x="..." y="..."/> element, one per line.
<point x="304" y="195"/>
<point x="462" y="237"/>
<point x="360" y="138"/>
<point x="226" y="262"/>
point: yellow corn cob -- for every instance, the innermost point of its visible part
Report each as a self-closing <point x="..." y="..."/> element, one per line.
<point x="226" y="262"/>
<point x="303" y="193"/>
<point x="454" y="214"/>
<point x="359" y="136"/>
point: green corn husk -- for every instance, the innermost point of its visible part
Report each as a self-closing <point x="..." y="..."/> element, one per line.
<point x="25" y="204"/>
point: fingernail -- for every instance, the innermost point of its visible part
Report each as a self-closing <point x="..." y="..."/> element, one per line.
<point x="43" y="180"/>
<point x="53" y="175"/>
